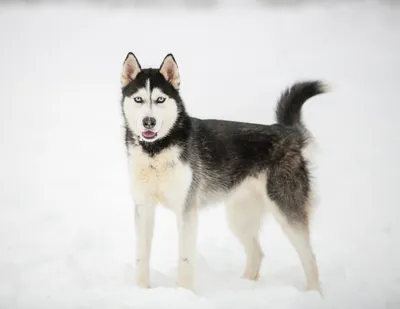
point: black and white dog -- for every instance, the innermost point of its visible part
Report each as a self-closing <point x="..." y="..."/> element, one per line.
<point x="185" y="163"/>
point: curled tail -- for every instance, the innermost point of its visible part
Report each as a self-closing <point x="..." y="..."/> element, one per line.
<point x="288" y="110"/>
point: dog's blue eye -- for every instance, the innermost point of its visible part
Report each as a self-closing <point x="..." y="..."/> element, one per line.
<point x="160" y="100"/>
<point x="138" y="100"/>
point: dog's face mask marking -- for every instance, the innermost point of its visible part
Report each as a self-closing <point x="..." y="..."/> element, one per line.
<point x="148" y="104"/>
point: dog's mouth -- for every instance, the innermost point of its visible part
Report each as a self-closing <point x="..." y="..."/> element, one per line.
<point x="149" y="134"/>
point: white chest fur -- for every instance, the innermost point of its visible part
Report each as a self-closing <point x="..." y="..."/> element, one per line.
<point x="163" y="179"/>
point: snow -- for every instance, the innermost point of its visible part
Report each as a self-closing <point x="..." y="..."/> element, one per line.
<point x="66" y="214"/>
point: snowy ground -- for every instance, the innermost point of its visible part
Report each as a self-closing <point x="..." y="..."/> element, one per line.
<point x="66" y="216"/>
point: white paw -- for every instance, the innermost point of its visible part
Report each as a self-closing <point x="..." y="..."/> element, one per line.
<point x="142" y="278"/>
<point x="251" y="276"/>
<point x="252" y="272"/>
<point x="185" y="275"/>
<point x="185" y="283"/>
<point x="315" y="286"/>
<point x="143" y="282"/>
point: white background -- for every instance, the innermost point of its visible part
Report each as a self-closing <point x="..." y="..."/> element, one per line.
<point x="66" y="214"/>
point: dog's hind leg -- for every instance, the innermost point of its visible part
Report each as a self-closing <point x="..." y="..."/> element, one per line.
<point x="244" y="213"/>
<point x="289" y="188"/>
<point x="298" y="235"/>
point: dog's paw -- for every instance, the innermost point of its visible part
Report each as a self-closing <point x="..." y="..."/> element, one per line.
<point x="185" y="274"/>
<point x="251" y="275"/>
<point x="315" y="286"/>
<point x="143" y="282"/>
<point x="185" y="281"/>
<point x="254" y="277"/>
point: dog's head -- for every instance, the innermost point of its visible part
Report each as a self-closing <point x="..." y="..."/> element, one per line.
<point x="150" y="97"/>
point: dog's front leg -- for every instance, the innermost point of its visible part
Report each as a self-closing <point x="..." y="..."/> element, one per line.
<point x="144" y="225"/>
<point x="187" y="229"/>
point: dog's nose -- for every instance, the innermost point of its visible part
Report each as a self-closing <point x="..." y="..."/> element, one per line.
<point x="149" y="122"/>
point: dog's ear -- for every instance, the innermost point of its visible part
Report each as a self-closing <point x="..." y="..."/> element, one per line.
<point x="169" y="69"/>
<point x="130" y="69"/>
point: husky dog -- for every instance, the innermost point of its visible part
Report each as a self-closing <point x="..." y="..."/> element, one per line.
<point x="185" y="163"/>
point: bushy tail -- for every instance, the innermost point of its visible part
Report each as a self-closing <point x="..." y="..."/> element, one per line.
<point x="288" y="110"/>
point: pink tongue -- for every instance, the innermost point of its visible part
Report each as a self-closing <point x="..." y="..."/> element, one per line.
<point x="148" y="133"/>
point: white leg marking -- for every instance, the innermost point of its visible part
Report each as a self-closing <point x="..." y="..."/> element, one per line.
<point x="298" y="235"/>
<point x="245" y="209"/>
<point x="144" y="223"/>
<point x="187" y="229"/>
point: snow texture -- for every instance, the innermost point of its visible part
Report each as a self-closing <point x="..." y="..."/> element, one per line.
<point x="66" y="214"/>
